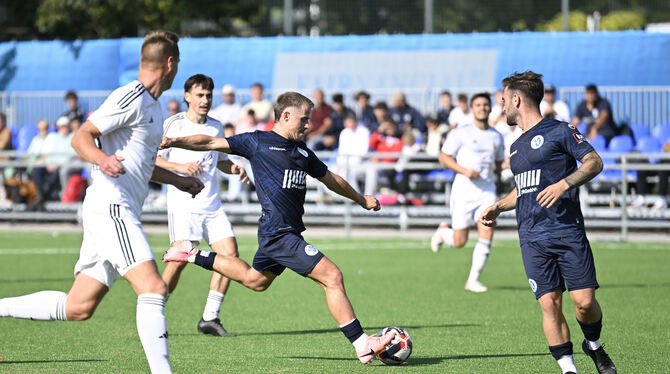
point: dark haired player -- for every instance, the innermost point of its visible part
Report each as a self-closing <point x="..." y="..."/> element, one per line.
<point x="202" y="216"/>
<point x="554" y="246"/>
<point x="281" y="161"/>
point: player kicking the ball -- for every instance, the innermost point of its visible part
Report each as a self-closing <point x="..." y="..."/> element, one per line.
<point x="474" y="152"/>
<point x="203" y="216"/>
<point x="281" y="162"/>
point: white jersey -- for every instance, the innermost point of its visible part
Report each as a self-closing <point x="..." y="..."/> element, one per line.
<point x="475" y="149"/>
<point x="130" y="121"/>
<point x="208" y="199"/>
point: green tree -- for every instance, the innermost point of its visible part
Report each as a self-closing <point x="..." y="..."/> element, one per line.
<point x="622" y="20"/>
<point x="576" y="22"/>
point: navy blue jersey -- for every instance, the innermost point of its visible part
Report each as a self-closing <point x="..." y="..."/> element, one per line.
<point x="540" y="157"/>
<point x="280" y="168"/>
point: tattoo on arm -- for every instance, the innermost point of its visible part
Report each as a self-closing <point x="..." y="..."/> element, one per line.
<point x="591" y="166"/>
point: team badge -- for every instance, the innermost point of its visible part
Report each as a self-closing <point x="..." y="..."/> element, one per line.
<point x="537" y="142"/>
<point x="302" y="152"/>
<point x="533" y="284"/>
<point x="309" y="249"/>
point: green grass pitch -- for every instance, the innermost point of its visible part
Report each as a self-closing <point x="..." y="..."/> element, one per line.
<point x="288" y="329"/>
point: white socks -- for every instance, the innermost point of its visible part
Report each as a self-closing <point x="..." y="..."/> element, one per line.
<point x="593" y="345"/>
<point x="152" y="329"/>
<point x="479" y="256"/>
<point x="214" y="301"/>
<point x="39" y="306"/>
<point x="359" y="344"/>
<point x="447" y="234"/>
<point x="567" y="364"/>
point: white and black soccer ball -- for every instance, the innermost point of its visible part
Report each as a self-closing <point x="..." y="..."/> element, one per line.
<point x="398" y="350"/>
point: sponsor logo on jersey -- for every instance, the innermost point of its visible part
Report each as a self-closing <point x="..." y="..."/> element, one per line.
<point x="533" y="284"/>
<point x="277" y="149"/>
<point x="537" y="142"/>
<point x="527" y="181"/>
<point x="578" y="137"/>
<point x="302" y="152"/>
<point x="294" y="179"/>
<point x="310" y="250"/>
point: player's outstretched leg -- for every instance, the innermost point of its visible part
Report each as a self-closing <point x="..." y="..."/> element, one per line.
<point x="443" y="235"/>
<point x="589" y="317"/>
<point x="210" y="323"/>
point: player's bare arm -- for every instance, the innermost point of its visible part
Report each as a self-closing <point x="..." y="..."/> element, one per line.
<point x="191" y="185"/>
<point x="188" y="168"/>
<point x="450" y="163"/>
<point x="197" y="143"/>
<point x="338" y="185"/>
<point x="592" y="165"/>
<point x="230" y="167"/>
<point x="490" y="214"/>
<point x="83" y="141"/>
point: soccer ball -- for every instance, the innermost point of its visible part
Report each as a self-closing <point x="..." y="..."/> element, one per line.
<point x="398" y="350"/>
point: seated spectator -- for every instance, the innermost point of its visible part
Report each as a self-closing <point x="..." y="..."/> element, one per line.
<point x="405" y="116"/>
<point x="248" y="123"/>
<point x="382" y="140"/>
<point x="364" y="111"/>
<point x="381" y="111"/>
<point x="258" y="104"/>
<point x="409" y="148"/>
<point x="461" y="114"/>
<point x="436" y="134"/>
<point x="229" y="110"/>
<point x="596" y="113"/>
<point x="354" y="143"/>
<point x="56" y="152"/>
<point x="5" y="140"/>
<point x="319" y="114"/>
<point x="73" y="111"/>
<point x="36" y="147"/>
<point x="333" y="125"/>
<point x="550" y="105"/>
<point x="446" y="106"/>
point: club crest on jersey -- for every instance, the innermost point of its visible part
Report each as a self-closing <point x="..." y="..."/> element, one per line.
<point x="302" y="152"/>
<point x="533" y="284"/>
<point x="310" y="250"/>
<point x="294" y="179"/>
<point x="537" y="142"/>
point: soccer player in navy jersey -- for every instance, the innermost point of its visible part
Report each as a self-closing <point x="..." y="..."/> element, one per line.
<point x="281" y="162"/>
<point x="554" y="246"/>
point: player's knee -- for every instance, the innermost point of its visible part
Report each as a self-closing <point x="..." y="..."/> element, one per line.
<point x="460" y="243"/>
<point x="585" y="305"/>
<point x="157" y="286"/>
<point x="334" y="278"/>
<point x="258" y="286"/>
<point x="80" y="311"/>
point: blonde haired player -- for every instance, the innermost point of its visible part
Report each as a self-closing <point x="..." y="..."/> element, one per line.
<point x="474" y="152"/>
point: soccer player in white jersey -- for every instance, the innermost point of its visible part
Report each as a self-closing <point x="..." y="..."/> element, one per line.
<point x="121" y="139"/>
<point x="203" y="216"/>
<point x="474" y="152"/>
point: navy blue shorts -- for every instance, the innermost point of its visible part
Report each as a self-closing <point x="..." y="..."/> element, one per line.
<point x="552" y="263"/>
<point x="286" y="250"/>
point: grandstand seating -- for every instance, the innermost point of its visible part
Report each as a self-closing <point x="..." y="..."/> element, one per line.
<point x="640" y="130"/>
<point x="599" y="143"/>
<point x="618" y="144"/>
<point x="23" y="137"/>
<point x="649" y="144"/>
<point x="662" y="132"/>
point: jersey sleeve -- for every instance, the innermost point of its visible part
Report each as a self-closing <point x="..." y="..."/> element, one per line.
<point x="167" y="125"/>
<point x="110" y="116"/>
<point x="452" y="144"/>
<point x="315" y="167"/>
<point x="243" y="144"/>
<point x="572" y="142"/>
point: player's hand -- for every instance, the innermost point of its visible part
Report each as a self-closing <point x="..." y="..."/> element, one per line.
<point x="489" y="215"/>
<point x="370" y="202"/>
<point x="471" y="173"/>
<point x="111" y="166"/>
<point x="190" y="168"/>
<point x="191" y="185"/>
<point x="551" y="194"/>
<point x="166" y="143"/>
<point x="235" y="169"/>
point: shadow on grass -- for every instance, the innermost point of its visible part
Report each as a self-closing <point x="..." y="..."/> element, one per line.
<point x="31" y="280"/>
<point x="602" y="286"/>
<point x="423" y="361"/>
<point x="6" y="362"/>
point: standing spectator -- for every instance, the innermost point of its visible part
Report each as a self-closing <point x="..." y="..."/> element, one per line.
<point x="319" y="114"/>
<point x="333" y="125"/>
<point x="551" y="106"/>
<point x="56" y="152"/>
<point x="405" y="115"/>
<point x="229" y="110"/>
<point x="596" y="113"/>
<point x="354" y="142"/>
<point x="173" y="107"/>
<point x="460" y="115"/>
<point x="73" y="109"/>
<point x="382" y="140"/>
<point x="436" y="133"/>
<point x="258" y="104"/>
<point x="446" y="106"/>
<point x="364" y="111"/>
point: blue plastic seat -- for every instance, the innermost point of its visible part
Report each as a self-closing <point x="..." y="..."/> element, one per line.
<point x="621" y="144"/>
<point x="599" y="143"/>
<point x="649" y="144"/>
<point x="25" y="135"/>
<point x="662" y="132"/>
<point x="640" y="130"/>
<point x="581" y="127"/>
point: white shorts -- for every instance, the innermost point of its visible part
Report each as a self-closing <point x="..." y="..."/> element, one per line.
<point x="466" y="208"/>
<point x="113" y="243"/>
<point x="212" y="226"/>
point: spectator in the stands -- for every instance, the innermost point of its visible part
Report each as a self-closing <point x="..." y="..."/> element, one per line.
<point x="73" y="109"/>
<point x="261" y="106"/>
<point x="248" y="123"/>
<point x="596" y="113"/>
<point x="383" y="140"/>
<point x="364" y="111"/>
<point x="550" y="105"/>
<point x="381" y="111"/>
<point x="36" y="147"/>
<point x="446" y="106"/>
<point x="332" y="125"/>
<point x="460" y="115"/>
<point x="405" y="116"/>
<point x="437" y="132"/>
<point x="5" y="134"/>
<point x="173" y="107"/>
<point x="319" y="114"/>
<point x="354" y="143"/>
<point x="56" y="153"/>
<point x="229" y="110"/>
<point x="496" y="119"/>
